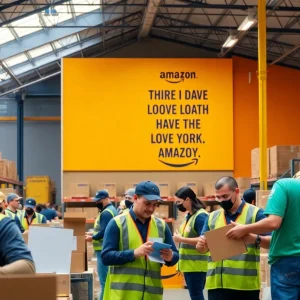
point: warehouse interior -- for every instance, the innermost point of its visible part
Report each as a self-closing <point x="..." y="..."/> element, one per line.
<point x="36" y="38"/>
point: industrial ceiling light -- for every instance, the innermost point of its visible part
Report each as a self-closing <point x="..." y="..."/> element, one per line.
<point x="247" y="23"/>
<point x="230" y="42"/>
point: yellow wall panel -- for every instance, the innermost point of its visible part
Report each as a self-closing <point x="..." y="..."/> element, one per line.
<point x="147" y="114"/>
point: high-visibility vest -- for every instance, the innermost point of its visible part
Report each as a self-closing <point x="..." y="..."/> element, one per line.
<point x="12" y="215"/>
<point x="240" y="272"/>
<point x="140" y="279"/>
<point x="37" y="220"/>
<point x="97" y="244"/>
<point x="2" y="217"/>
<point x="126" y="211"/>
<point x="190" y="260"/>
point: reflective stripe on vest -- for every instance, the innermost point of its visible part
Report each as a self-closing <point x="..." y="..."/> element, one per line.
<point x="2" y="217"/>
<point x="190" y="260"/>
<point x="10" y="214"/>
<point x="97" y="244"/>
<point x="240" y="272"/>
<point x="37" y="220"/>
<point x="140" y="279"/>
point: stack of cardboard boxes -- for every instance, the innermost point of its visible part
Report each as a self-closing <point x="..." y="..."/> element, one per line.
<point x="278" y="160"/>
<point x="8" y="169"/>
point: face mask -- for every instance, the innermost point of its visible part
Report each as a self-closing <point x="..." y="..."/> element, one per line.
<point x="29" y="211"/>
<point x="181" y="207"/>
<point x="226" y="204"/>
<point x="128" y="204"/>
<point x="100" y="206"/>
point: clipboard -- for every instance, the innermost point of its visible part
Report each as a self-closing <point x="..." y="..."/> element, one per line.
<point x="220" y="246"/>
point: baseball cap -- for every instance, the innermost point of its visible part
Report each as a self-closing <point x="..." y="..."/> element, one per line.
<point x="30" y="202"/>
<point x="130" y="192"/>
<point x="12" y="196"/>
<point x="100" y="195"/>
<point x="249" y="195"/>
<point x="149" y="190"/>
<point x="297" y="175"/>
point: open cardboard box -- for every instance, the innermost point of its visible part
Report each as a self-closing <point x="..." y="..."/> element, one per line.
<point x="15" y="287"/>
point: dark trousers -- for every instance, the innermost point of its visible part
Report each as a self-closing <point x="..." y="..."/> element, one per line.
<point x="226" y="294"/>
<point x="195" y="282"/>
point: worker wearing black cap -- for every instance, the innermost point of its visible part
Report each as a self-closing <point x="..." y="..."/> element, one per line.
<point x="250" y="196"/>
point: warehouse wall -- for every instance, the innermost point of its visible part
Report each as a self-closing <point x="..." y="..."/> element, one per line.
<point x="42" y="141"/>
<point x="282" y="109"/>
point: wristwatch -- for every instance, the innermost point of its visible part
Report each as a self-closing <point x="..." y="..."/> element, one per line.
<point x="257" y="242"/>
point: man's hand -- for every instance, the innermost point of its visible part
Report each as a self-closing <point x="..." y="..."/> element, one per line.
<point x="177" y="237"/>
<point x="249" y="238"/>
<point x="237" y="232"/>
<point x="88" y="238"/>
<point x="202" y="244"/>
<point x="144" y="250"/>
<point x="166" y="254"/>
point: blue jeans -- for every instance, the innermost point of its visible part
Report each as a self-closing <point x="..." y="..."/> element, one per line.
<point x="195" y="282"/>
<point x="285" y="279"/>
<point x="102" y="273"/>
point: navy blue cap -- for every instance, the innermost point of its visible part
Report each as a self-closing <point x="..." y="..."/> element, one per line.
<point x="149" y="190"/>
<point x="30" y="202"/>
<point x="249" y="195"/>
<point x="100" y="195"/>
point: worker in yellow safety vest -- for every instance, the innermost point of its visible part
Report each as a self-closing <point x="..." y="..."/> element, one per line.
<point x="128" y="245"/>
<point x="30" y="216"/>
<point x="237" y="277"/>
<point x="12" y="211"/>
<point x="2" y="203"/>
<point x="106" y="212"/>
<point x="192" y="263"/>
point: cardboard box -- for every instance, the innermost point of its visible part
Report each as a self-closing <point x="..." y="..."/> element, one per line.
<point x="262" y="198"/>
<point x="280" y="157"/>
<point x="63" y="285"/>
<point x="243" y="183"/>
<point x="3" y="168"/>
<point x="130" y="186"/>
<point x="110" y="187"/>
<point x="25" y="237"/>
<point x="75" y="221"/>
<point x="255" y="163"/>
<point x="191" y="185"/>
<point x="162" y="211"/>
<point x="90" y="252"/>
<point x="44" y="287"/>
<point x="7" y="191"/>
<point x="80" y="244"/>
<point x="91" y="212"/>
<point x="11" y="170"/>
<point x="74" y="209"/>
<point x="209" y="189"/>
<point x="264" y="269"/>
<point x="164" y="188"/>
<point x="78" y="262"/>
<point x="79" y="190"/>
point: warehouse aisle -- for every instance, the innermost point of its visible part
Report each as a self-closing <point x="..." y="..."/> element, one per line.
<point x="171" y="294"/>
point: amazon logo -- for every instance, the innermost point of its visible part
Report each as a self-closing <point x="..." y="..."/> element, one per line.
<point x="182" y="165"/>
<point x="177" y="77"/>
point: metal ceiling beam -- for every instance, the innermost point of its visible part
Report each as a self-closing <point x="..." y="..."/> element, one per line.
<point x="12" y="90"/>
<point x="41" y="38"/>
<point x="148" y="18"/>
<point x="190" y="4"/>
<point x="11" y="4"/>
<point x="285" y="55"/>
<point x="216" y="50"/>
<point x="10" y="73"/>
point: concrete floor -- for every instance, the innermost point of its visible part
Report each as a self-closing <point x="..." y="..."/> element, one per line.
<point x="182" y="294"/>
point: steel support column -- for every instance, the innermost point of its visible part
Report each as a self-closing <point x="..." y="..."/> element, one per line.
<point x="20" y="135"/>
<point x="262" y="79"/>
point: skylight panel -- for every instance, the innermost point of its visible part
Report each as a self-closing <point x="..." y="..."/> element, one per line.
<point x="6" y="35"/>
<point x="83" y="9"/>
<point x="15" y="60"/>
<point x="40" y="51"/>
<point x="30" y="24"/>
<point x="64" y="42"/>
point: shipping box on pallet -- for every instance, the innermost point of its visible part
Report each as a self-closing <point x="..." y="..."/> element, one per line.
<point x="110" y="187"/>
<point x="262" y="198"/>
<point x="280" y="157"/>
<point x="191" y="185"/>
<point x="255" y="157"/>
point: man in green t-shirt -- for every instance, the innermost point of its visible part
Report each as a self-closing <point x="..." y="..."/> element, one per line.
<point x="283" y="210"/>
